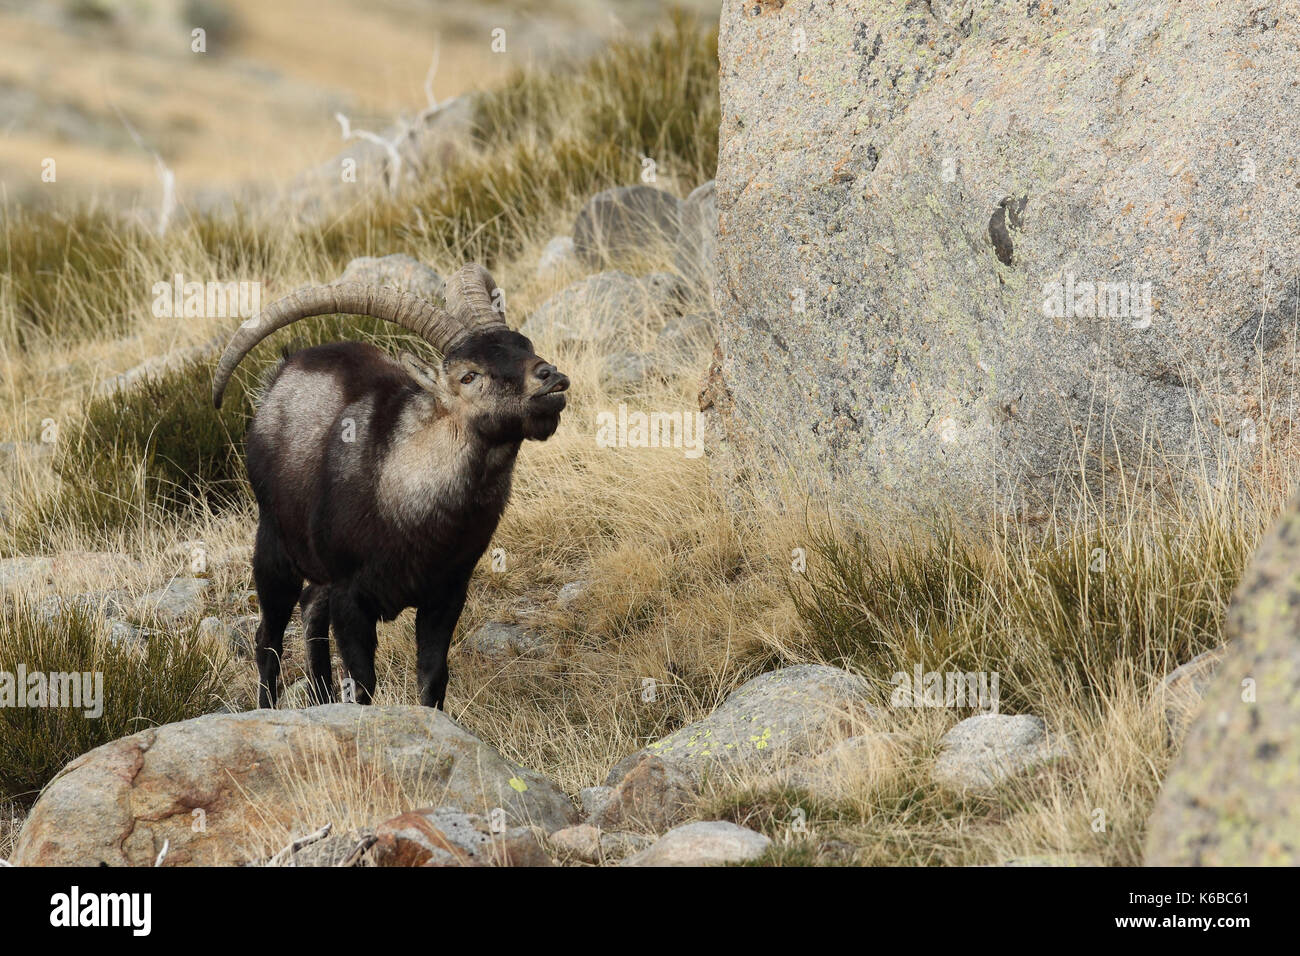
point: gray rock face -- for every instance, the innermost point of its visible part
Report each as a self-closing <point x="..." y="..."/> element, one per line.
<point x="602" y="307"/>
<point x="985" y="750"/>
<point x="1232" y="797"/>
<point x="702" y="844"/>
<point x="398" y="271"/>
<point x="919" y="205"/>
<point x="118" y="803"/>
<point x="622" y="223"/>
<point x="763" y="724"/>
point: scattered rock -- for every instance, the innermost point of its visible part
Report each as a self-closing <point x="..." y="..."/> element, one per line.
<point x="846" y="767"/>
<point x="60" y="571"/>
<point x="615" y="846"/>
<point x="1182" y="689"/>
<point x="622" y="370"/>
<point x="557" y="257"/>
<point x="1231" y="796"/>
<point x="570" y="593"/>
<point x="698" y="240"/>
<point x="599" y="308"/>
<point x="652" y="797"/>
<point x="620" y="224"/>
<point x="446" y="836"/>
<point x="333" y="851"/>
<point x="397" y="271"/>
<point x="591" y="799"/>
<point x="686" y="334"/>
<point x="159" y="365"/>
<point x="499" y="640"/>
<point x="107" y="605"/>
<point x="764" y="724"/>
<point x="127" y="635"/>
<point x="119" y="802"/>
<point x="180" y="602"/>
<point x="985" y="750"/>
<point x="239" y="635"/>
<point x="702" y="844"/>
<point x="579" y="843"/>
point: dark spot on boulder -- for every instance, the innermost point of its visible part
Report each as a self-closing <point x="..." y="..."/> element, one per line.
<point x="1007" y="217"/>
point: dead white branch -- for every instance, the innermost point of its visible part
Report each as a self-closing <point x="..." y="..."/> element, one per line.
<point x="299" y="843"/>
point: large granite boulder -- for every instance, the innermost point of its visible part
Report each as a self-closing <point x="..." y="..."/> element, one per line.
<point x="208" y="786"/>
<point x="962" y="244"/>
<point x="1232" y="797"/>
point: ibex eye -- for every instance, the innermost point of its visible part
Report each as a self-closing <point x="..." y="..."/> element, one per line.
<point x="468" y="377"/>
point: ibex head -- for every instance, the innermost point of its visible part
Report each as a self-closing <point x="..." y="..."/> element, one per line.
<point x="490" y="378"/>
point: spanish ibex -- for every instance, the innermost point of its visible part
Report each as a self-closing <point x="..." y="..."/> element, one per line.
<point x="379" y="482"/>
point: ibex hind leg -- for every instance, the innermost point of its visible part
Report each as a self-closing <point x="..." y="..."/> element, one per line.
<point x="354" y="630"/>
<point x="316" y="633"/>
<point x="278" y="586"/>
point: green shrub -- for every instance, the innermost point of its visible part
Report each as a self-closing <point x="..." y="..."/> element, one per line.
<point x="158" y="444"/>
<point x="66" y="274"/>
<point x="172" y="677"/>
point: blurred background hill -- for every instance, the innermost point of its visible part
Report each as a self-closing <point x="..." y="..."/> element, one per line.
<point x="258" y="106"/>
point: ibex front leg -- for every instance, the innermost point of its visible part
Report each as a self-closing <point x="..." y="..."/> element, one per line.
<point x="434" y="625"/>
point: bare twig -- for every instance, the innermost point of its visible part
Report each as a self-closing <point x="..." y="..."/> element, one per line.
<point x="301" y="842"/>
<point x="364" y="844"/>
<point x="405" y="129"/>
<point x="165" y="175"/>
<point x="162" y="854"/>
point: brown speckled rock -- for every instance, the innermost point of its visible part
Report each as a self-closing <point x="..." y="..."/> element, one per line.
<point x="118" y="803"/>
<point x="1232" y="798"/>
<point x="900" y="185"/>
<point x="444" y="836"/>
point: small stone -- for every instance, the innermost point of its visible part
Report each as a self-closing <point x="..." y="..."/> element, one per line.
<point x="703" y="844"/>
<point x="446" y="836"/>
<point x="396" y="271"/>
<point x="652" y="797"/>
<point x="626" y="369"/>
<point x="179" y="602"/>
<point x="1181" y="691"/>
<point x="558" y="256"/>
<point x="570" y="593"/>
<point x="987" y="749"/>
<point x="499" y="640"/>
<point x="615" y="846"/>
<point x="579" y="843"/>
<point x="623" y="223"/>
<point x="591" y="799"/>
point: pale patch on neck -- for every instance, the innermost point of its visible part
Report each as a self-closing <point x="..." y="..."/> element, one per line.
<point x="427" y="467"/>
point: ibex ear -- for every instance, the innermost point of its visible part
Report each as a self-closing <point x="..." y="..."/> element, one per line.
<point x="426" y="376"/>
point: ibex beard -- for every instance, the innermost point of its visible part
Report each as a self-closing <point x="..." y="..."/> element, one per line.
<point x="380" y="482"/>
